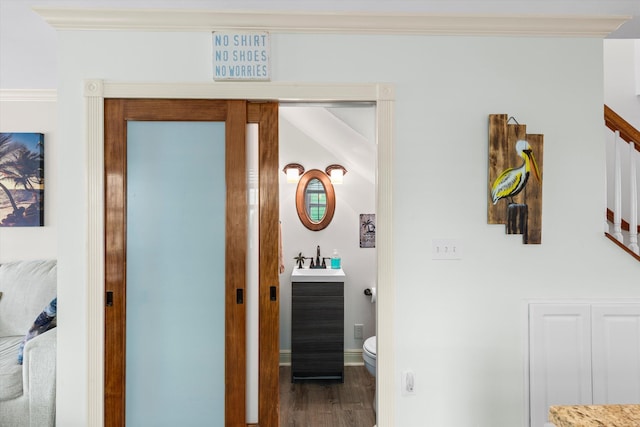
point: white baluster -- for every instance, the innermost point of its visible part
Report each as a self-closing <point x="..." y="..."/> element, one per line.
<point x="606" y="185"/>
<point x="617" y="189"/>
<point x="633" y="201"/>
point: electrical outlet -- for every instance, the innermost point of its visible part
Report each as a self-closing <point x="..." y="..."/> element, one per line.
<point x="358" y="331"/>
<point x="407" y="383"/>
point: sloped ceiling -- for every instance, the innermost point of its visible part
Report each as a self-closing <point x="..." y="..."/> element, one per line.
<point x="347" y="132"/>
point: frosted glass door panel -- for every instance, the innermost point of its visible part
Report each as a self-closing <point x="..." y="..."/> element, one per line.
<point x="175" y="274"/>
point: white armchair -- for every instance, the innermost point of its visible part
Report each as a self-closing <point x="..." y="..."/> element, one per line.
<point x="27" y="391"/>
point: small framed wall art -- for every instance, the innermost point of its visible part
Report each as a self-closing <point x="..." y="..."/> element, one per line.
<point x="21" y="179"/>
<point x="367" y="230"/>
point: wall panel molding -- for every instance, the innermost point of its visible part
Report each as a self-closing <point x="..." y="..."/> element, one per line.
<point x="38" y="95"/>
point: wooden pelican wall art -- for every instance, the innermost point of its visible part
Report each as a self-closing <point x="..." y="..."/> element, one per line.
<point x="513" y="180"/>
<point x="508" y="180"/>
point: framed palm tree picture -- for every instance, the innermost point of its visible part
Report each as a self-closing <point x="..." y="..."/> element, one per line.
<point x="367" y="230"/>
<point x="21" y="179"/>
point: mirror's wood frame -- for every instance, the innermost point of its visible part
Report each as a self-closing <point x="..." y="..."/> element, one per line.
<point x="301" y="207"/>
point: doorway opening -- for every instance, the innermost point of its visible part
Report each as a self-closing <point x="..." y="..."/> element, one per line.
<point x="314" y="136"/>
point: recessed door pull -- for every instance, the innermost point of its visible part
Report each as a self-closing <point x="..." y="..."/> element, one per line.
<point x="272" y="293"/>
<point x="109" y="299"/>
<point x="239" y="296"/>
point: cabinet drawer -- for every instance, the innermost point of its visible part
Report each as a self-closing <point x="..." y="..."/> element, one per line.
<point x="311" y="289"/>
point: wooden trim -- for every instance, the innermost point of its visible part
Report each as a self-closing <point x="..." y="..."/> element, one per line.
<point x="332" y="22"/>
<point x="236" y="264"/>
<point x="269" y="311"/>
<point x="624" y="224"/>
<point x="176" y="110"/>
<point x="622" y="245"/>
<point x="115" y="167"/>
<point x="616" y="123"/>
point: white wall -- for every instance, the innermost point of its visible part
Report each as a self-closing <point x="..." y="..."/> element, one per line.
<point x="354" y="197"/>
<point x="29" y="111"/>
<point x="459" y="324"/>
<point x="622" y="78"/>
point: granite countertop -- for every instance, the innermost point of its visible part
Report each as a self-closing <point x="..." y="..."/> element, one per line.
<point x="595" y="416"/>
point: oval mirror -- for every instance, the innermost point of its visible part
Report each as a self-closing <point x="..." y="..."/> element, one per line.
<point x="315" y="200"/>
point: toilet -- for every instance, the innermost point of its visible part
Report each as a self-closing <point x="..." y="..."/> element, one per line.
<point x="369" y="349"/>
<point x="369" y="355"/>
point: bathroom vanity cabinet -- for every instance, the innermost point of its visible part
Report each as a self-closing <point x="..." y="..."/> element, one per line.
<point x="317" y="329"/>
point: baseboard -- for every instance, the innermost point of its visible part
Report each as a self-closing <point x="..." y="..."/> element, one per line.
<point x="285" y="357"/>
<point x="352" y="357"/>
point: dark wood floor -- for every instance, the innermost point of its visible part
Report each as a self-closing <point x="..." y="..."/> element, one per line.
<point x="328" y="403"/>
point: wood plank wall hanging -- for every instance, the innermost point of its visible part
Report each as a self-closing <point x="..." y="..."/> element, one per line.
<point x="515" y="178"/>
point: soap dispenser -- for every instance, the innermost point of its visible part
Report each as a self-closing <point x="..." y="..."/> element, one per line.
<point x="335" y="259"/>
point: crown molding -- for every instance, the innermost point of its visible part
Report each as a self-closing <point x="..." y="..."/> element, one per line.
<point x="331" y="22"/>
<point x="41" y="95"/>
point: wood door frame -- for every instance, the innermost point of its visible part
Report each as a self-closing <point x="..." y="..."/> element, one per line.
<point x="95" y="91"/>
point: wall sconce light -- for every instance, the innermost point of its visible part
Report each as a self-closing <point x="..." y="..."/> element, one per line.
<point x="336" y="173"/>
<point x="293" y="171"/>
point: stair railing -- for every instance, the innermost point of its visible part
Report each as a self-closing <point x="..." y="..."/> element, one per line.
<point x="623" y="233"/>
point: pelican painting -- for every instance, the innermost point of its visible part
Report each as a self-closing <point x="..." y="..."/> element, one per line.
<point x="513" y="180"/>
<point x="525" y="215"/>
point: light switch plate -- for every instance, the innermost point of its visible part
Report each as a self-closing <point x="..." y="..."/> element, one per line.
<point x="446" y="249"/>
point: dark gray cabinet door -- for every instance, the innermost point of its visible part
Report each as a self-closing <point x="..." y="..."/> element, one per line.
<point x="317" y="330"/>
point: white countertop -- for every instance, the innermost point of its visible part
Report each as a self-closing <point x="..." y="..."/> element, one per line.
<point x="317" y="275"/>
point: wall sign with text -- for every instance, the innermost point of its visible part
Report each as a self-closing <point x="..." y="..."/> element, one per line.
<point x="241" y="56"/>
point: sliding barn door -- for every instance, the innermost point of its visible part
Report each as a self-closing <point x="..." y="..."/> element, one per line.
<point x="176" y="229"/>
